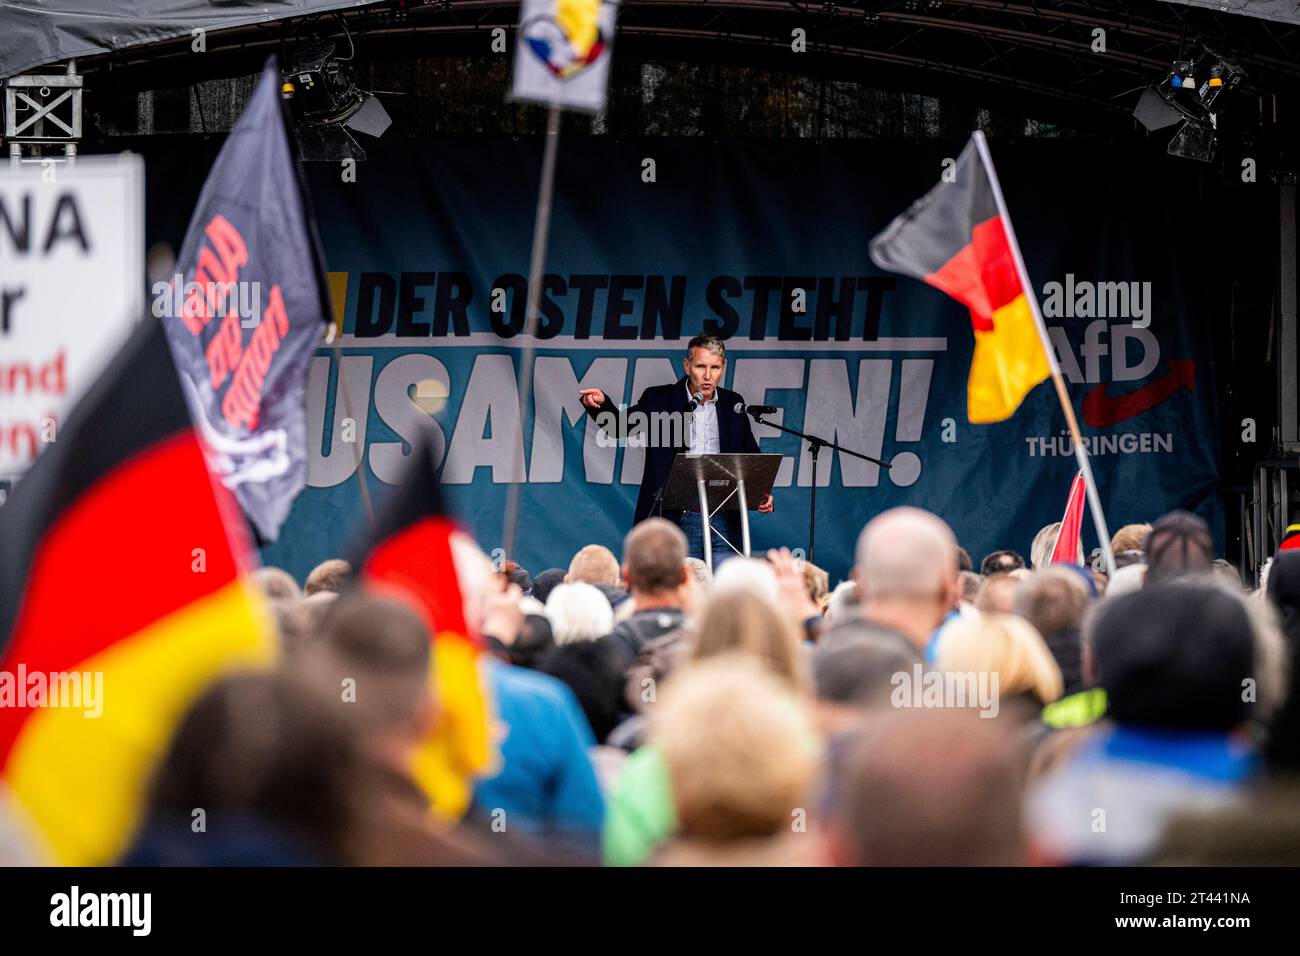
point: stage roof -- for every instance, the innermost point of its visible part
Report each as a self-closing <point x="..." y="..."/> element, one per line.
<point x="1034" y="55"/>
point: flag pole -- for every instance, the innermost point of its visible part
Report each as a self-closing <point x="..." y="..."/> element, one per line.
<point x="1080" y="453"/>
<point x="536" y="267"/>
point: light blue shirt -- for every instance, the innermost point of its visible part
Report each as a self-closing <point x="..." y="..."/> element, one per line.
<point x="704" y="425"/>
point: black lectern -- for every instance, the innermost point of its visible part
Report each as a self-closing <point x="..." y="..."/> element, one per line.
<point x="725" y="482"/>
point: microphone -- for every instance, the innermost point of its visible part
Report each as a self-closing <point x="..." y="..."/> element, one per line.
<point x="755" y="410"/>
<point x="696" y="400"/>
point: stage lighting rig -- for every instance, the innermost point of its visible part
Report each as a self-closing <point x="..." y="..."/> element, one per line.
<point x="318" y="83"/>
<point x="1190" y="93"/>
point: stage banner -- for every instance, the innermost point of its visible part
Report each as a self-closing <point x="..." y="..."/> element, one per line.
<point x="654" y="241"/>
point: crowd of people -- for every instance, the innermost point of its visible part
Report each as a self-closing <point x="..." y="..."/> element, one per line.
<point x="649" y="712"/>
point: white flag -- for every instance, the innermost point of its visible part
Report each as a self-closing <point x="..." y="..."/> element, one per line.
<point x="562" y="52"/>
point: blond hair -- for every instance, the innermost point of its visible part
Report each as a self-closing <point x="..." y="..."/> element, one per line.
<point x="747" y="623"/>
<point x="1131" y="537"/>
<point x="332" y="575"/>
<point x="1006" y="645"/>
<point x="595" y="564"/>
<point x="740" y="749"/>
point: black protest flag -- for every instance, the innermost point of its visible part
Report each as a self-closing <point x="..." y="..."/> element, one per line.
<point x="252" y="308"/>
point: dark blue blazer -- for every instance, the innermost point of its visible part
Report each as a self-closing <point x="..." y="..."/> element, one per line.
<point x="734" y="435"/>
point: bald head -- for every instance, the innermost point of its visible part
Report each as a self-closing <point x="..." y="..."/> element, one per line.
<point x="907" y="572"/>
<point x="905" y="554"/>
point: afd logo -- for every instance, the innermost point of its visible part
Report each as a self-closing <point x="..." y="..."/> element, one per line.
<point x="75" y="908"/>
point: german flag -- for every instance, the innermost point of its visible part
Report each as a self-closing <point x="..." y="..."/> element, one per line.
<point x="954" y="239"/>
<point x="122" y="596"/>
<point x="410" y="553"/>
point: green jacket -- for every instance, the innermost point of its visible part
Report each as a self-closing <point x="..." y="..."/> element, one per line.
<point x="639" y="813"/>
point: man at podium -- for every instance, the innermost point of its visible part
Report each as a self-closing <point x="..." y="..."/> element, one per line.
<point x="712" y="426"/>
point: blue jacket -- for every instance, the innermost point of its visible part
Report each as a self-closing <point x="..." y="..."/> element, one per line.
<point x="734" y="435"/>
<point x="546" y="784"/>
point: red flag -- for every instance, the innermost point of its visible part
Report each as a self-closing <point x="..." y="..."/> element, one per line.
<point x="410" y="550"/>
<point x="1067" y="542"/>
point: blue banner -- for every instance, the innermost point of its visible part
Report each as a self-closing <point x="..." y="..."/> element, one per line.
<point x="654" y="241"/>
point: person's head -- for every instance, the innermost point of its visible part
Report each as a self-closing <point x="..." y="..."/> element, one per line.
<point x="705" y="364"/>
<point x="741" y="752"/>
<point x="1052" y="600"/>
<point x="616" y="595"/>
<point x="1283" y="588"/>
<point x="1000" y="562"/>
<point x="1172" y="656"/>
<point x="1005" y="645"/>
<point x="1126" y="579"/>
<point x="1040" y="552"/>
<point x="544" y="582"/>
<point x="928" y="787"/>
<point x="514" y="573"/>
<point x="1124" y="559"/>
<point x="654" y="559"/>
<point x="293" y="624"/>
<point x="854" y="666"/>
<point x="594" y="564"/>
<point x="578" y="612"/>
<point x="906" y="571"/>
<point x="843" y="605"/>
<point x="747" y="623"/>
<point x="370" y="661"/>
<point x="748" y="575"/>
<point x="534" y="640"/>
<point x="703" y="576"/>
<point x="332" y="575"/>
<point x="1131" y="537"/>
<point x="592" y="671"/>
<point x="970" y="586"/>
<point x="1227" y="573"/>
<point x="816" y="582"/>
<point x="277" y="584"/>
<point x="997" y="593"/>
<point x="259" y="749"/>
<point x="1283" y="592"/>
<point x="1179" y="544"/>
<point x="300" y="622"/>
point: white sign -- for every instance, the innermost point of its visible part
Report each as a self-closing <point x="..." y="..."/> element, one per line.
<point x="71" y="289"/>
<point x="562" y="50"/>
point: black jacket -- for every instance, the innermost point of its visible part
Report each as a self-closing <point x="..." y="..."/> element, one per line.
<point x="734" y="435"/>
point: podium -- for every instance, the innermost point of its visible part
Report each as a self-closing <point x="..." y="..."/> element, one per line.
<point x="723" y="482"/>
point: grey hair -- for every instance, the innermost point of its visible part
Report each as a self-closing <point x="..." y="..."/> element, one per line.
<point x="710" y="342"/>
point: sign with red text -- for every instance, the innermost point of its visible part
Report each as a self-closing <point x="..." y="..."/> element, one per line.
<point x="71" y="289"/>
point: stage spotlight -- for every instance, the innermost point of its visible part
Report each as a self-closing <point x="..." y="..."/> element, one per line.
<point x="1193" y="141"/>
<point x="326" y="103"/>
<point x="1182" y="75"/>
<point x="1179" y="98"/>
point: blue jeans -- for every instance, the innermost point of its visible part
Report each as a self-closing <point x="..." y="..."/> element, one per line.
<point x="727" y="522"/>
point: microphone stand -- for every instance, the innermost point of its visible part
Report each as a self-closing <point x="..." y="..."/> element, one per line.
<point x="816" y="444"/>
